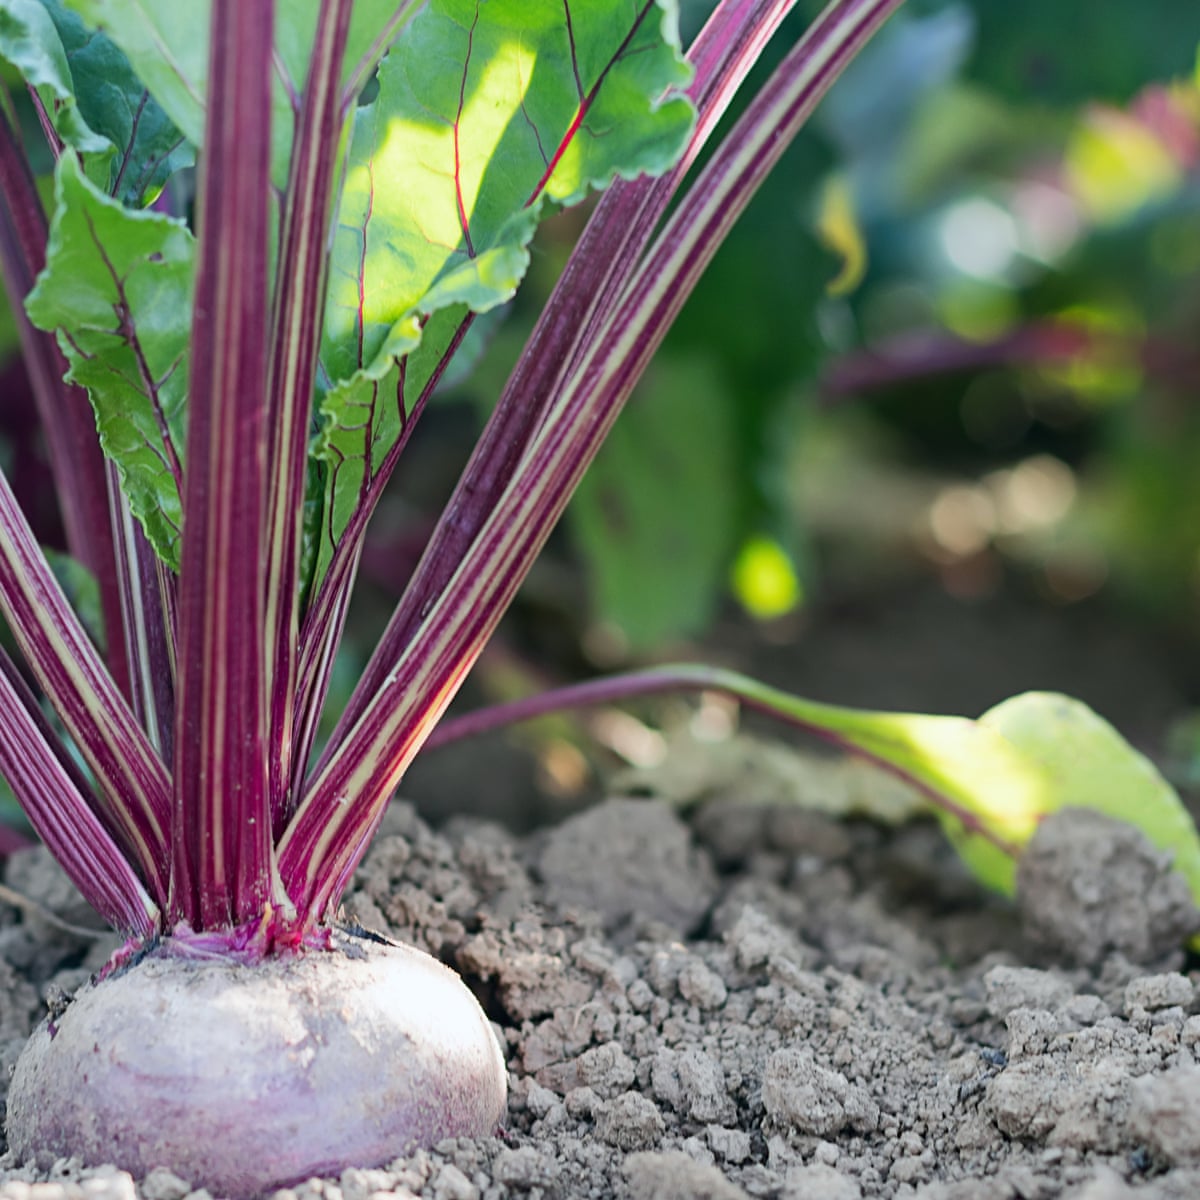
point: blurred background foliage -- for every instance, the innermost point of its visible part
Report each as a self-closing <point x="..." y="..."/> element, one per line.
<point x="958" y="326"/>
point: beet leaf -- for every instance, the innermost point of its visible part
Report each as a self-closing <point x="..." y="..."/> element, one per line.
<point x="117" y="290"/>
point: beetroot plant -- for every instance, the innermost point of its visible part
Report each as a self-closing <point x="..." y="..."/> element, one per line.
<point x="225" y="391"/>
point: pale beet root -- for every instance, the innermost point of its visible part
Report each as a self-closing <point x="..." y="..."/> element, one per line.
<point x="245" y="1078"/>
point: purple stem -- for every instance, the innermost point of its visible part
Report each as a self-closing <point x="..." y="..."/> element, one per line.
<point x="150" y="659"/>
<point x="222" y="865"/>
<point x="65" y="411"/>
<point x="618" y="689"/>
<point x="295" y="336"/>
<point x="132" y="779"/>
<point x="64" y="821"/>
<point x="49" y="792"/>
<point x="322" y="627"/>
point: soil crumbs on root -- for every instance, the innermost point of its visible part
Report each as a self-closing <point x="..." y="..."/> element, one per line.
<point x="761" y="1003"/>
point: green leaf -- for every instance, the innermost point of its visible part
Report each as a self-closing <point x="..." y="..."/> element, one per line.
<point x="31" y="42"/>
<point x="987" y="794"/>
<point x="117" y="290"/>
<point x="655" y="514"/>
<point x="990" y="782"/>
<point x="363" y="419"/>
<point x="167" y="43"/>
<point x="118" y="105"/>
<point x="98" y="106"/>
<point x="483" y="113"/>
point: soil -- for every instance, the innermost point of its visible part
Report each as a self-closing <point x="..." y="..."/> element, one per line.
<point x="781" y="998"/>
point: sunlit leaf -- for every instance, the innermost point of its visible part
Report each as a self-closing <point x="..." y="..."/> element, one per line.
<point x="990" y="782"/>
<point x="117" y="291"/>
<point x="1090" y="765"/>
<point x="167" y="43"/>
<point x="483" y="111"/>
<point x="987" y="794"/>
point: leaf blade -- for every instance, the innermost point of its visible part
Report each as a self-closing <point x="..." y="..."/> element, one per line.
<point x="484" y="114"/>
<point x="117" y="292"/>
<point x="30" y="40"/>
<point x="147" y="145"/>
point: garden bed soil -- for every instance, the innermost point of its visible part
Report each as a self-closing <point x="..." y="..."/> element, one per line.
<point x="756" y="999"/>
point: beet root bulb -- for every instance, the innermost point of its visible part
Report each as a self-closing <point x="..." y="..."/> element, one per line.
<point x="246" y="1078"/>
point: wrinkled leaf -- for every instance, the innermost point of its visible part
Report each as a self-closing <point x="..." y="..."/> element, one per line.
<point x="31" y="42"/>
<point x="654" y="516"/>
<point x="482" y="112"/>
<point x="117" y="290"/>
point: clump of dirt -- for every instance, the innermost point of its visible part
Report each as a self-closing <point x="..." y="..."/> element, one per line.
<point x="1089" y="886"/>
<point x="815" y="1008"/>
